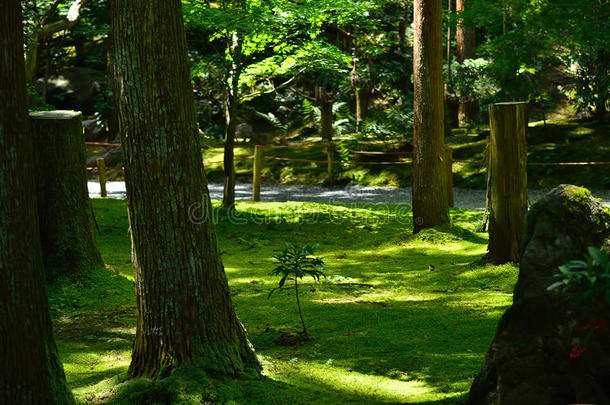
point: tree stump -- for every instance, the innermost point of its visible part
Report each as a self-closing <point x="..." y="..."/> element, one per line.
<point x="64" y="209"/>
<point x="508" y="181"/>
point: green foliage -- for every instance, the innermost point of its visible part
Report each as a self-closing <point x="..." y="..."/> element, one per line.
<point x="472" y="80"/>
<point x="590" y="277"/>
<point x="295" y="263"/>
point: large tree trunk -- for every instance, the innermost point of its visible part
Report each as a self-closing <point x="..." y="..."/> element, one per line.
<point x="185" y="314"/>
<point x="430" y="206"/>
<point x="508" y="181"/>
<point x="30" y="371"/>
<point x="465" y="39"/>
<point x="231" y="104"/>
<point x="64" y="210"/>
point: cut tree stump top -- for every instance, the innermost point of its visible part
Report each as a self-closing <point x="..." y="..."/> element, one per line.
<point x="56" y="115"/>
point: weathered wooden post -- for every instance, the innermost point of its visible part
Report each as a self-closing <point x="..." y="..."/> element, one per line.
<point x="64" y="210"/>
<point x="449" y="166"/>
<point x="507" y="181"/>
<point x="256" y="173"/>
<point x="101" y="171"/>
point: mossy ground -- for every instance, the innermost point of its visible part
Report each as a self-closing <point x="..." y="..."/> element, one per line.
<point x="409" y="335"/>
<point x="557" y="141"/>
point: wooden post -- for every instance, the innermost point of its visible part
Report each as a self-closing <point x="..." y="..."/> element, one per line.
<point x="449" y="166"/>
<point x="508" y="181"/>
<point x="256" y="173"/>
<point x="64" y="210"/>
<point x="101" y="170"/>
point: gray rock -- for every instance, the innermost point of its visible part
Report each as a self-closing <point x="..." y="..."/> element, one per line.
<point x="93" y="131"/>
<point x="529" y="358"/>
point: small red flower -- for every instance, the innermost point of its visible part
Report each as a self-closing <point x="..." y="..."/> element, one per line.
<point x="577" y="351"/>
<point x="586" y="327"/>
<point x="599" y="324"/>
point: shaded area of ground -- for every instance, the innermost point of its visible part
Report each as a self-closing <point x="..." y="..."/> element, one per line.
<point x="385" y="328"/>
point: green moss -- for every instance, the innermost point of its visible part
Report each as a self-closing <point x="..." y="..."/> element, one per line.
<point x="401" y="334"/>
<point x="577" y="195"/>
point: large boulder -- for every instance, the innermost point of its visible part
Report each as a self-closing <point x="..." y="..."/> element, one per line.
<point x="529" y="361"/>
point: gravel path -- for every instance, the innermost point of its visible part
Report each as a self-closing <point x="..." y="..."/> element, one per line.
<point x="464" y="198"/>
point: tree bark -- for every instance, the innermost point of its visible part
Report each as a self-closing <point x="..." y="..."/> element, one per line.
<point x="231" y="104"/>
<point x="185" y="313"/>
<point x="325" y="102"/>
<point x="508" y="181"/>
<point x="451" y="104"/>
<point x="430" y="206"/>
<point x="465" y="39"/>
<point x="31" y="371"/>
<point x="64" y="210"/>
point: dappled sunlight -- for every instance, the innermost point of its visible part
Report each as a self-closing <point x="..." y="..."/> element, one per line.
<point x="347" y="382"/>
<point x="408" y="334"/>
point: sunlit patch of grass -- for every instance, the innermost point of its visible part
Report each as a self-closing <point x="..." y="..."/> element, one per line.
<point x="385" y="328"/>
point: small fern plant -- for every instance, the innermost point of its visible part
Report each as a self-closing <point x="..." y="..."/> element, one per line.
<point x="294" y="263"/>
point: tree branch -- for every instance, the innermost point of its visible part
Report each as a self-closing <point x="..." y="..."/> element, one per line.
<point x="250" y="96"/>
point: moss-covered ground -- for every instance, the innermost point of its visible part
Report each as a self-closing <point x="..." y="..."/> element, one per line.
<point x="385" y="328"/>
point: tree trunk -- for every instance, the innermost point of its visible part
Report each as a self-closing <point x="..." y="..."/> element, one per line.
<point x="468" y="111"/>
<point x="362" y="88"/>
<point x="325" y="102"/>
<point x="31" y="371"/>
<point x="465" y="36"/>
<point x="465" y="39"/>
<point x="430" y="206"/>
<point x="508" y="181"/>
<point x="453" y="107"/>
<point x="185" y="313"/>
<point x="231" y="104"/>
<point x="228" y="196"/>
<point x="451" y="104"/>
<point x="64" y="210"/>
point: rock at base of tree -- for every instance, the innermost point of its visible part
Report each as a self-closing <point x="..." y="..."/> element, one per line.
<point x="529" y="360"/>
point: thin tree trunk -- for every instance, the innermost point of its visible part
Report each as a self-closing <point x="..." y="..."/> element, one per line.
<point x="46" y="31"/>
<point x="451" y="103"/>
<point x="30" y="371"/>
<point x="185" y="313"/>
<point x="296" y="291"/>
<point x="430" y="206"/>
<point x="465" y="39"/>
<point x="65" y="214"/>
<point x="231" y="104"/>
<point x="325" y="102"/>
